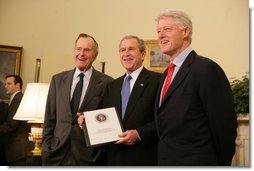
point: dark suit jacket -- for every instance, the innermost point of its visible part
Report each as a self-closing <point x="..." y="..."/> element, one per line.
<point x="61" y="135"/>
<point x="3" y="117"/>
<point x="16" y="132"/>
<point x="196" y="122"/>
<point x="139" y="115"/>
<point x="3" y="112"/>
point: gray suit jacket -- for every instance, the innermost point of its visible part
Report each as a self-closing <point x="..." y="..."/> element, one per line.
<point x="61" y="134"/>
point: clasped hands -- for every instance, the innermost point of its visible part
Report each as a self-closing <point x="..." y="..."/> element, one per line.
<point x="129" y="137"/>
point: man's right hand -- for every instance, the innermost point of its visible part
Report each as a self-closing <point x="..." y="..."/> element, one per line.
<point x="81" y="120"/>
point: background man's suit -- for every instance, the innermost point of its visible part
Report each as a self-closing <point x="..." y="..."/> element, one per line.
<point x="3" y="112"/>
<point x="138" y="115"/>
<point x="16" y="132"/>
<point x="66" y="137"/>
<point x="3" y="117"/>
<point x="194" y="129"/>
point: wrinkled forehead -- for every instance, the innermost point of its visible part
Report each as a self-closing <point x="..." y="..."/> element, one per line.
<point x="85" y="41"/>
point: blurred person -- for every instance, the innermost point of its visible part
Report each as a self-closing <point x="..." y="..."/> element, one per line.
<point x="14" y="132"/>
<point x="3" y="94"/>
<point x="3" y="117"/>
<point x="195" y="119"/>
<point x="63" y="142"/>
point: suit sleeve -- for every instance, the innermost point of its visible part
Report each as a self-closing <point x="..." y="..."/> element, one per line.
<point x="50" y="117"/>
<point x="215" y="92"/>
<point x="10" y="124"/>
<point x="147" y="132"/>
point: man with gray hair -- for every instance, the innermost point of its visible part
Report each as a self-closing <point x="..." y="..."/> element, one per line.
<point x="77" y="90"/>
<point x="194" y="111"/>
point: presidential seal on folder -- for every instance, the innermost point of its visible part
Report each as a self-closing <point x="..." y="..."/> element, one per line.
<point x="101" y="126"/>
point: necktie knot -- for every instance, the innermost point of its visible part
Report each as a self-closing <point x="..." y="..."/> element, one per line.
<point x="171" y="65"/>
<point x="81" y="75"/>
<point x="128" y="78"/>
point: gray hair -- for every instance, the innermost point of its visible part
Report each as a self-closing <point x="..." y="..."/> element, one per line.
<point x="141" y="43"/>
<point x="84" y="35"/>
<point x="181" y="19"/>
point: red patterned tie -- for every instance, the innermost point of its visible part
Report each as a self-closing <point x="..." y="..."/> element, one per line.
<point x="168" y="81"/>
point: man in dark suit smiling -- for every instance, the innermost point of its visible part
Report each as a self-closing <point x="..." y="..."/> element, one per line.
<point x="195" y="115"/>
<point x="138" y="146"/>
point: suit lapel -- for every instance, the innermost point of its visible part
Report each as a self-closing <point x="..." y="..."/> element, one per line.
<point x="92" y="88"/>
<point x="181" y="74"/>
<point x="66" y="90"/>
<point x="117" y="97"/>
<point x="137" y="91"/>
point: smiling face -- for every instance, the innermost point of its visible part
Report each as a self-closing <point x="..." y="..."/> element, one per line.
<point x="172" y="39"/>
<point x="85" y="53"/>
<point x="130" y="55"/>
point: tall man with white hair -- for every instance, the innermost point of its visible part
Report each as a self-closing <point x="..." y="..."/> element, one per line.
<point x="194" y="111"/>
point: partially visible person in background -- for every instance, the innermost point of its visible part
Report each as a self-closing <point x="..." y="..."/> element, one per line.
<point x="17" y="145"/>
<point x="3" y="94"/>
<point x="3" y="111"/>
<point x="194" y="109"/>
<point x="80" y="89"/>
<point x="3" y="117"/>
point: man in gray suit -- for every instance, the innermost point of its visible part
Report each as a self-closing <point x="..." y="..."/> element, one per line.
<point x="15" y="132"/>
<point x="63" y="142"/>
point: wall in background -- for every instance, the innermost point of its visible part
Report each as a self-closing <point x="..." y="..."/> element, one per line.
<point x="47" y="29"/>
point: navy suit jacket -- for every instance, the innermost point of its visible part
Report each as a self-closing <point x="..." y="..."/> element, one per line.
<point x="196" y="122"/>
<point x="139" y="115"/>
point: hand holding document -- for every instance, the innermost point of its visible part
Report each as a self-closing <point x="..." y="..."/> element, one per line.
<point x="101" y="126"/>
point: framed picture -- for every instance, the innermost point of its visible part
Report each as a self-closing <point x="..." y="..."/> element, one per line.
<point x="155" y="60"/>
<point x="10" y="61"/>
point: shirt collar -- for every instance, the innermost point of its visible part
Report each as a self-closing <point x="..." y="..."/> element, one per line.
<point x="87" y="73"/>
<point x="12" y="96"/>
<point x="134" y="75"/>
<point x="178" y="61"/>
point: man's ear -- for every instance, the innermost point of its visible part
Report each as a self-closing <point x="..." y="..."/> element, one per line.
<point x="17" y="85"/>
<point x="143" y="55"/>
<point x="186" y="31"/>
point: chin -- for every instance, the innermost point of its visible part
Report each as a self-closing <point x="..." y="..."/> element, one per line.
<point x="165" y="51"/>
<point x="82" y="68"/>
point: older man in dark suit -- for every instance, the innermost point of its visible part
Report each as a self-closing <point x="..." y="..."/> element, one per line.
<point x="63" y="141"/>
<point x="195" y="115"/>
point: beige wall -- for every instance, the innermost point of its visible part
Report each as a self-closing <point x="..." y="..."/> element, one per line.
<point x="47" y="29"/>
